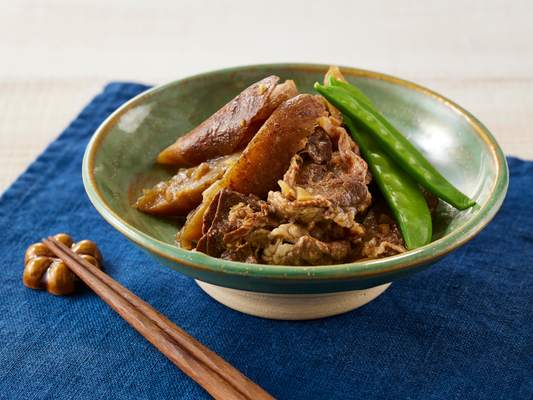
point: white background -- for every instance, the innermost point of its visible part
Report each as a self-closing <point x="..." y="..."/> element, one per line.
<point x="56" y="55"/>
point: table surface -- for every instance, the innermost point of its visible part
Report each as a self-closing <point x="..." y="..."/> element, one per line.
<point x="57" y="54"/>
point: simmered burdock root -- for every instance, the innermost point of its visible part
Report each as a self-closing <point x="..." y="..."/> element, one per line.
<point x="265" y="159"/>
<point x="183" y="193"/>
<point x="282" y="93"/>
<point x="223" y="132"/>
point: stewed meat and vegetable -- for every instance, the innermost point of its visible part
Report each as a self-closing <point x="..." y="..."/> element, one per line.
<point x="275" y="177"/>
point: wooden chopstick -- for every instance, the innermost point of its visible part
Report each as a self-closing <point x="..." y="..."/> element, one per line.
<point x="214" y="374"/>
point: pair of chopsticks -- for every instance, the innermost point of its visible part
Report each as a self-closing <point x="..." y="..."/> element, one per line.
<point x="210" y="371"/>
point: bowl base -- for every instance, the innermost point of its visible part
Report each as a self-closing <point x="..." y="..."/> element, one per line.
<point x="291" y="306"/>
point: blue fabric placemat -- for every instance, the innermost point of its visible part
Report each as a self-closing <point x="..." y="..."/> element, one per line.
<point x="461" y="329"/>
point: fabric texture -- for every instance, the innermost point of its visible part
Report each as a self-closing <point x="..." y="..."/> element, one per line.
<point x="461" y="329"/>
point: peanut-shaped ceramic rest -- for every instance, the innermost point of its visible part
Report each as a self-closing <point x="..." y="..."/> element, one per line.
<point x="47" y="272"/>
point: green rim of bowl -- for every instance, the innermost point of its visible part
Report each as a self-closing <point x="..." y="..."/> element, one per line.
<point x="398" y="265"/>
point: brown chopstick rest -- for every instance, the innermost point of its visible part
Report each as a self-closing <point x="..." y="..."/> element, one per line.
<point x="47" y="272"/>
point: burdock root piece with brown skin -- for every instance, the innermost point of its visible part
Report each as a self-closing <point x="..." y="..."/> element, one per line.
<point x="269" y="154"/>
<point x="45" y="271"/>
<point x="183" y="193"/>
<point x="221" y="133"/>
<point x="282" y="93"/>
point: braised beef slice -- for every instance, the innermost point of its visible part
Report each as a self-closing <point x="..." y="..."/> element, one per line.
<point x="310" y="251"/>
<point x="217" y="222"/>
<point x="327" y="231"/>
<point x="247" y="225"/>
<point x="243" y="253"/>
<point x="318" y="147"/>
<point x="342" y="184"/>
<point x="341" y="189"/>
<point x="382" y="238"/>
<point x="383" y="245"/>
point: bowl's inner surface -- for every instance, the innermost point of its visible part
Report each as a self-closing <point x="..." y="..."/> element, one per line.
<point x="124" y="163"/>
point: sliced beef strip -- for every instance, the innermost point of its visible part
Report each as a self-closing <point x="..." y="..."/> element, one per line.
<point x="238" y="228"/>
<point x="306" y="251"/>
<point x="208" y="218"/>
<point x="341" y="176"/>
<point x="217" y="222"/>
<point x="243" y="253"/>
<point x="318" y="147"/>
<point x="325" y="185"/>
<point x="327" y="231"/>
<point x="249" y="223"/>
<point x="382" y="245"/>
<point x="382" y="238"/>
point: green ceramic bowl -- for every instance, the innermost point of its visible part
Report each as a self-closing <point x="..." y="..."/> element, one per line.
<point x="119" y="163"/>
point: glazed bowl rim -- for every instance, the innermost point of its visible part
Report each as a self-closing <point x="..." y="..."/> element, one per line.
<point x="198" y="261"/>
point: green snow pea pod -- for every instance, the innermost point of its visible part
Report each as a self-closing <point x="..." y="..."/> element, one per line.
<point x="352" y="89"/>
<point x="399" y="189"/>
<point x="395" y="144"/>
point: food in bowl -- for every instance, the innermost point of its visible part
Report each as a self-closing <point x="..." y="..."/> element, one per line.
<point x="274" y="177"/>
<point x="119" y="163"/>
